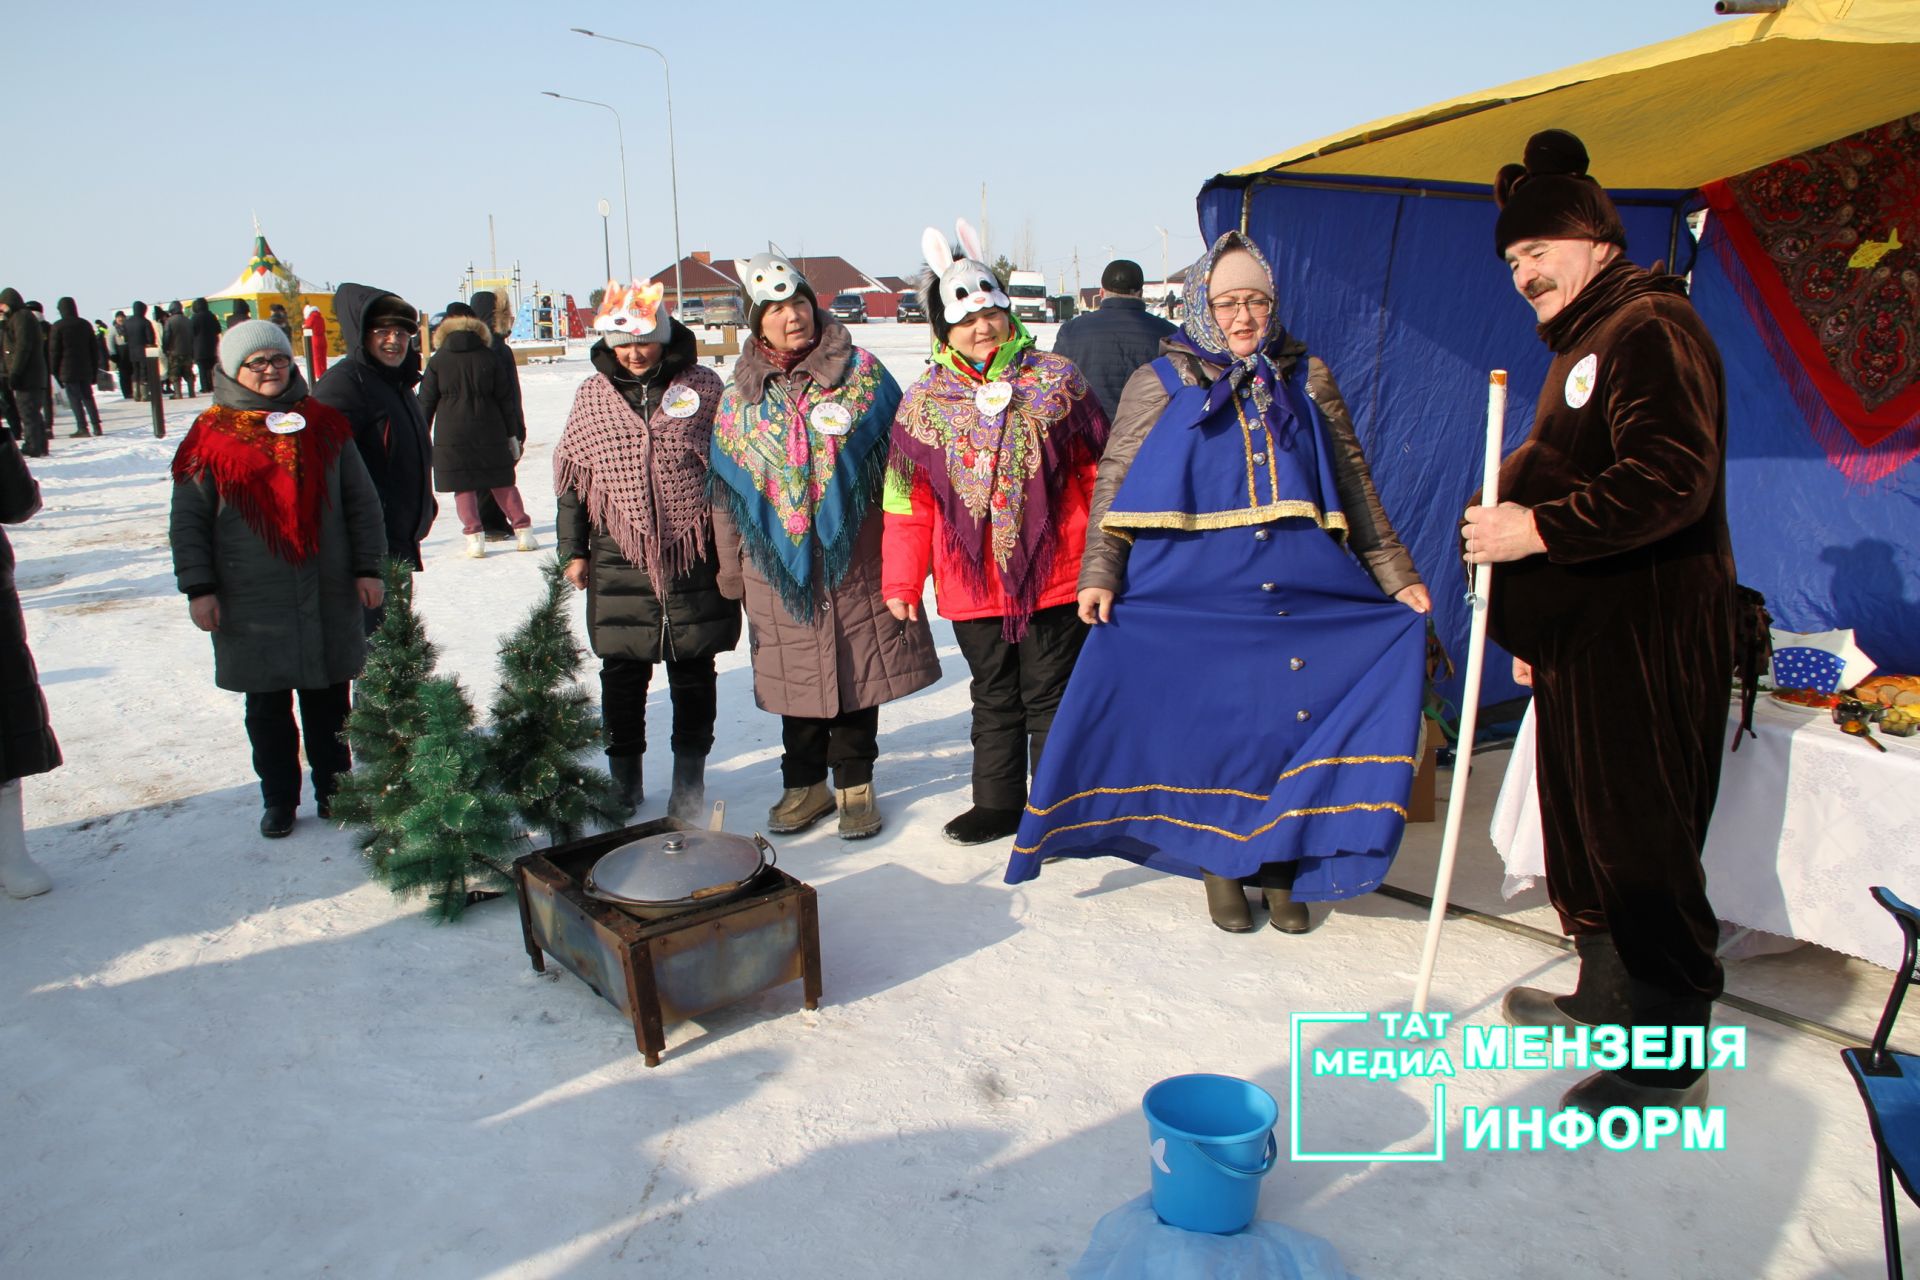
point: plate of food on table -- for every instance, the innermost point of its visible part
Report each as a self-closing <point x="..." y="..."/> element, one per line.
<point x="1806" y="699"/>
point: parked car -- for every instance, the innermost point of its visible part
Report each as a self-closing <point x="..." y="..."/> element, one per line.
<point x="692" y="311"/>
<point x="910" y="309"/>
<point x="848" y="308"/>
<point x="725" y="308"/>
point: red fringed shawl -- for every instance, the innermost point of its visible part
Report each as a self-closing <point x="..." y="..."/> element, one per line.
<point x="278" y="483"/>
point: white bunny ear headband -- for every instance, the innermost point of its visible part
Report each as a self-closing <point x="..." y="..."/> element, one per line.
<point x="966" y="284"/>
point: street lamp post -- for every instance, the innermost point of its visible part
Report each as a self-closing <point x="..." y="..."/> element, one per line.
<point x="673" y="170"/>
<point x="606" y="244"/>
<point x="626" y="202"/>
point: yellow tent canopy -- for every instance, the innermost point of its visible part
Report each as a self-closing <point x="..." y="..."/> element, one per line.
<point x="260" y="285"/>
<point x="1725" y="99"/>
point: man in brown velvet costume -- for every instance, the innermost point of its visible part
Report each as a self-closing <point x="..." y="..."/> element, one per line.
<point x="1615" y="593"/>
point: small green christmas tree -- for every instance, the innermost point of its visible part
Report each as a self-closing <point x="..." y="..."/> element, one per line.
<point x="457" y="832"/>
<point x="543" y="719"/>
<point x="386" y="719"/>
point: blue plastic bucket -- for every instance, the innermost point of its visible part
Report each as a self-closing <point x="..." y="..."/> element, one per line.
<point x="1209" y="1142"/>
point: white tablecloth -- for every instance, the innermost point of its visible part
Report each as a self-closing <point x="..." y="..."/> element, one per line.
<point x="1808" y="818"/>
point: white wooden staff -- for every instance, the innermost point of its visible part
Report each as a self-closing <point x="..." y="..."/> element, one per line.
<point x="1469" y="696"/>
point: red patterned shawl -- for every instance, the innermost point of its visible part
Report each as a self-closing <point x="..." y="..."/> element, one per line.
<point x="278" y="483"/>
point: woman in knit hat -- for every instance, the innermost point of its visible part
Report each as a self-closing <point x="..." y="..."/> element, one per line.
<point x="994" y="451"/>
<point x="799" y="461"/>
<point x="1247" y="706"/>
<point x="635" y="527"/>
<point x="277" y="542"/>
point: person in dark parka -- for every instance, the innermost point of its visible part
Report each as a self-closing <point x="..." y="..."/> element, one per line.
<point x="1614" y="591"/>
<point x="73" y="351"/>
<point x="499" y="319"/>
<point x="26" y="372"/>
<point x="139" y="334"/>
<point x="177" y="340"/>
<point x="373" y="385"/>
<point x="470" y="407"/>
<point x="206" y="340"/>
<point x="630" y="472"/>
<point x="1109" y="343"/>
<point x="27" y="744"/>
<point x="277" y="544"/>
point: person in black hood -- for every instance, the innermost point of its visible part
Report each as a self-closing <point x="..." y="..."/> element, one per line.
<point x="73" y="352"/>
<point x="206" y="340"/>
<point x="499" y="320"/>
<point x="240" y="314"/>
<point x="177" y="339"/>
<point x="468" y="405"/>
<point x="636" y="526"/>
<point x="26" y="372"/>
<point x="373" y="385"/>
<point x="139" y="335"/>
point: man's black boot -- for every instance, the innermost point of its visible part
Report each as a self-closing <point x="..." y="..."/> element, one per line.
<point x="1599" y="996"/>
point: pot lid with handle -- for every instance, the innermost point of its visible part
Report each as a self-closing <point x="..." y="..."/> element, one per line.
<point x="678" y="866"/>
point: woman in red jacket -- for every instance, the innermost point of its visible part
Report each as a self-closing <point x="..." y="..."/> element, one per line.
<point x="994" y="453"/>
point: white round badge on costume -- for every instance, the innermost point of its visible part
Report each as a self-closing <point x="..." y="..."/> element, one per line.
<point x="993" y="398"/>
<point x="285" y="424"/>
<point x="831" y="419"/>
<point x="682" y="402"/>
<point x="1580" y="381"/>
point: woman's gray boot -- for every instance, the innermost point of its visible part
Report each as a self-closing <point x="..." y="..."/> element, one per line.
<point x="1227" y="904"/>
<point x="1283" y="913"/>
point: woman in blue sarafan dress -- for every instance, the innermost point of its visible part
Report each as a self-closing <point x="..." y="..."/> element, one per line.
<point x="1247" y="708"/>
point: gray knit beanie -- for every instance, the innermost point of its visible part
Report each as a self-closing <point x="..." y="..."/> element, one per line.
<point x="248" y="339"/>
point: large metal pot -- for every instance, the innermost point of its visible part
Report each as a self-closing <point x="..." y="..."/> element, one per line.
<point x="663" y="875"/>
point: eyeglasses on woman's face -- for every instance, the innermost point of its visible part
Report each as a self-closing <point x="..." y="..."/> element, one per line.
<point x="1257" y="305"/>
<point x="264" y="364"/>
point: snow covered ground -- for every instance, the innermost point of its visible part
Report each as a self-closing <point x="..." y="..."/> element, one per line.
<point x="224" y="1056"/>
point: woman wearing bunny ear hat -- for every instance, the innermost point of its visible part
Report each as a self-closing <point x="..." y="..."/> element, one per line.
<point x="1248" y="704"/>
<point x="799" y="461"/>
<point x="994" y="452"/>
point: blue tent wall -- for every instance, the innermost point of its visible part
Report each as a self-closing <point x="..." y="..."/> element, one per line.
<point x="1401" y="294"/>
<point x="1826" y="551"/>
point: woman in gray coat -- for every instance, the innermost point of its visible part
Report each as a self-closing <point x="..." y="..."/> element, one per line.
<point x="277" y="540"/>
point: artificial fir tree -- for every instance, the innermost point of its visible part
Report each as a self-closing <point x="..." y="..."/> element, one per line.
<point x="457" y="832"/>
<point x="386" y="720"/>
<point x="543" y="720"/>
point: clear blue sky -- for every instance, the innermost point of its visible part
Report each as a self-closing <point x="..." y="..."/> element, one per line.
<point x="373" y="139"/>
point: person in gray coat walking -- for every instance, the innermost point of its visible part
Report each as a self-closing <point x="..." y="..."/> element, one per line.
<point x="277" y="540"/>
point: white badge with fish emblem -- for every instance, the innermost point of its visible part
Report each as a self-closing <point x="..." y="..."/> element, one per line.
<point x="1580" y="381"/>
<point x="682" y="402"/>
<point x="831" y="419"/>
<point x="285" y="424"/>
<point x="992" y="400"/>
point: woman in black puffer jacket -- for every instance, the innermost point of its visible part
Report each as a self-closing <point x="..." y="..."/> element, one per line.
<point x="630" y="473"/>
<point x="477" y="434"/>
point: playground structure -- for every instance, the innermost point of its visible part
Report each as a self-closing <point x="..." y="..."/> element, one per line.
<point x="543" y="318"/>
